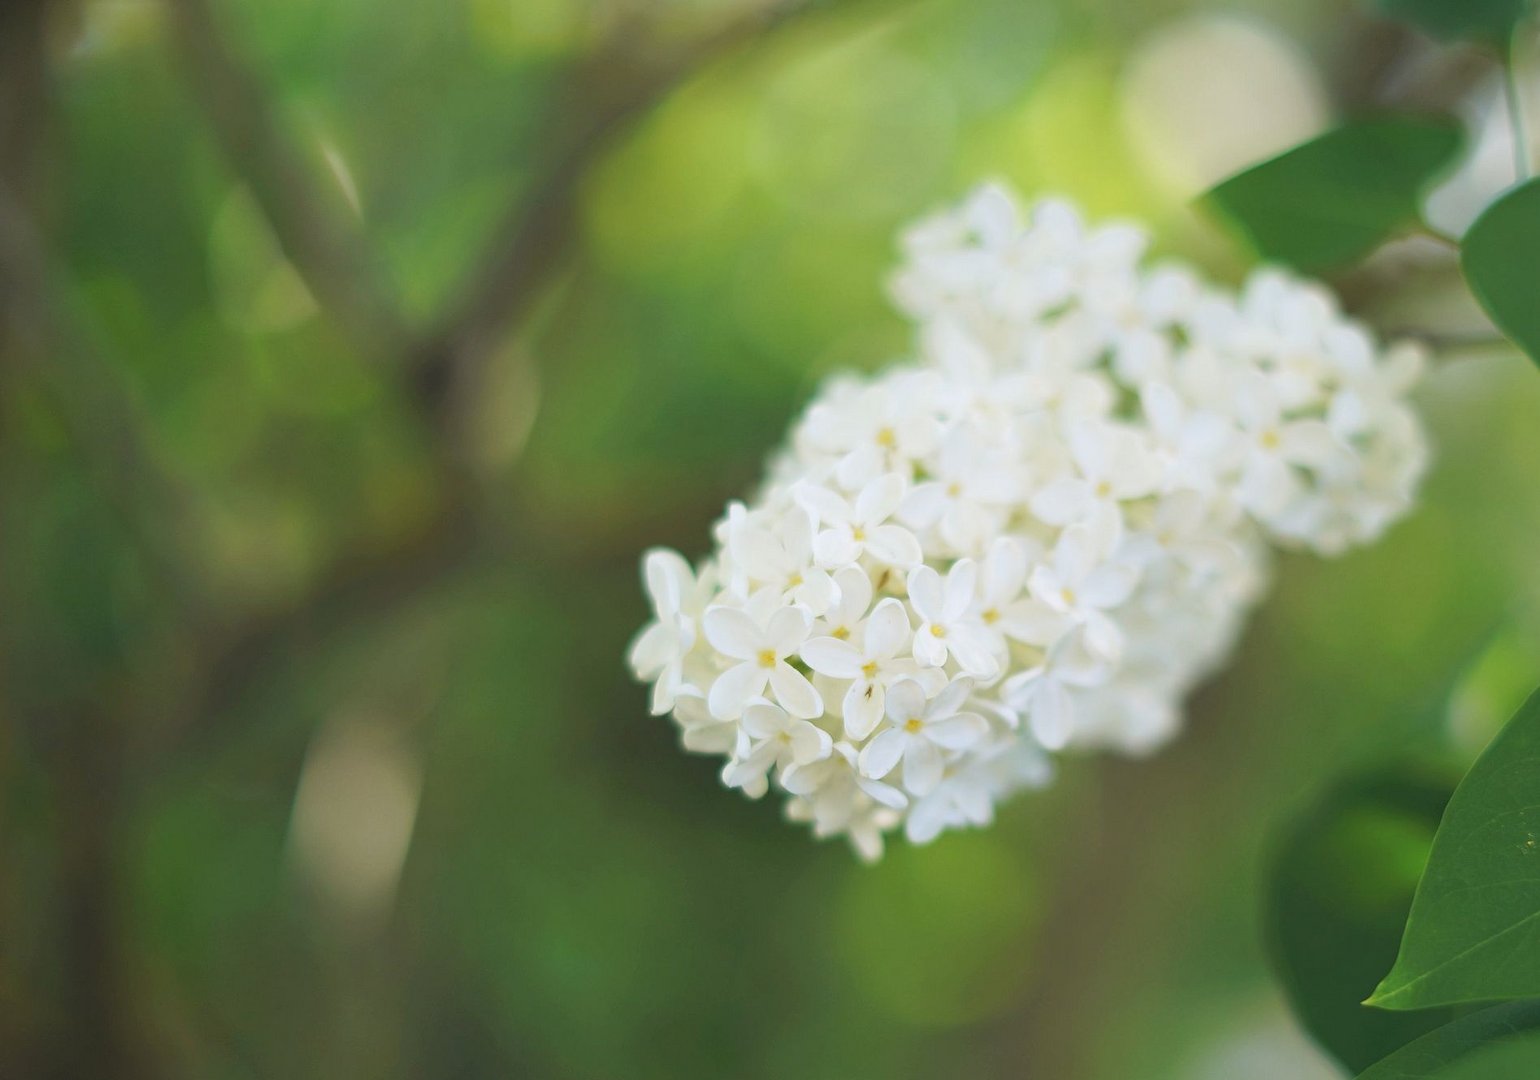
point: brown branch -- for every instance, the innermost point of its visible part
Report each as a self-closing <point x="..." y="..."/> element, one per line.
<point x="535" y="237"/>
<point x="530" y="247"/>
<point x="312" y="222"/>
<point x="97" y="410"/>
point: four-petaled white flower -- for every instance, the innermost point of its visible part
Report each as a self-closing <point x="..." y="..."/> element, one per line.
<point x="870" y="667"/>
<point x="946" y="628"/>
<point x="1080" y="585"/>
<point x="783" y="558"/>
<point x="762" y="651"/>
<point x="1275" y="447"/>
<point x="773" y="739"/>
<point x="920" y="733"/>
<point x="848" y="531"/>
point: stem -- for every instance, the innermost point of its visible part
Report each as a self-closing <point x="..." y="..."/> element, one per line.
<point x="1521" y="158"/>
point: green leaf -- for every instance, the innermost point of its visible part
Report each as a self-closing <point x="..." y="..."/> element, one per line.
<point x="1330" y="201"/>
<point x="1474" y="930"/>
<point x="1481" y="20"/>
<point x="1341" y="886"/>
<point x="1464" y="1038"/>
<point x="1511" y="1059"/>
<point x="1501" y="260"/>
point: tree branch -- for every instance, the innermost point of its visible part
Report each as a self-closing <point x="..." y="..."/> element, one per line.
<point x="536" y="235"/>
<point x="312" y="222"/>
<point x="529" y="248"/>
<point x="95" y="408"/>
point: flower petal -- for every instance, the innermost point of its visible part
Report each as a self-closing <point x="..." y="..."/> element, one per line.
<point x="833" y="657"/>
<point x="879" y="499"/>
<point x="863" y="707"/>
<point x="668" y="579"/>
<point x="732" y="633"/>
<point x="950" y="699"/>
<point x="923" y="505"/>
<point x="734" y="687"/>
<point x="882" y="753"/>
<point x="894" y="545"/>
<point x="794" y="692"/>
<point x="972" y="653"/>
<point x="925" y="593"/>
<point x="957" y="732"/>
<point x="906" y="701"/>
<point x="923" y="767"/>
<point x="886" y="630"/>
<point x="836" y="547"/>
<point x="1061" y="502"/>
<point x="960" y="583"/>
<point x="763" y="720"/>
<point x="809" y="743"/>
<point x="787" y="629"/>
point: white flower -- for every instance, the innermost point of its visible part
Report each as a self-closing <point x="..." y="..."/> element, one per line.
<point x="1038" y="535"/>
<point x="919" y="733"/>
<point x="763" y="651"/>
<point x="772" y="739"/>
<point x="658" y="653"/>
<point x="700" y="732"/>
<point x="946" y="627"/>
<point x="1115" y="465"/>
<point x="1080" y="585"/>
<point x="1003" y="610"/>
<point x="783" y="557"/>
<point x="966" y="500"/>
<point x="1274" y="445"/>
<point x="871" y="667"/>
<point x="855" y="597"/>
<point x="849" y="531"/>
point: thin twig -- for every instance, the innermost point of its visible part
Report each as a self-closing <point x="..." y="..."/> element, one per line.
<point x="312" y="221"/>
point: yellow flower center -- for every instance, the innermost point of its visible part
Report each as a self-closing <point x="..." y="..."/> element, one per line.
<point x="767" y="658"/>
<point x="869" y="669"/>
<point x="913" y="725"/>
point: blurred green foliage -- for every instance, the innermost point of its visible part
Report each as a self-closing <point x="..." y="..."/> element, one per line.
<point x="1341" y="887"/>
<point x="578" y="898"/>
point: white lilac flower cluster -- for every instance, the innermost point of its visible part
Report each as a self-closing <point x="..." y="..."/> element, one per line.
<point x="1040" y="535"/>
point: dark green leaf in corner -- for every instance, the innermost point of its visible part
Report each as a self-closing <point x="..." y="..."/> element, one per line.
<point x="1474" y="930"/>
<point x="1477" y="20"/>
<point x="1501" y="260"/>
<point x="1341" y="885"/>
<point x="1468" y="1039"/>
<point x="1331" y="201"/>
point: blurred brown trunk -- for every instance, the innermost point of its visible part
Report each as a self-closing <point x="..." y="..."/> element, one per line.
<point x="82" y="1033"/>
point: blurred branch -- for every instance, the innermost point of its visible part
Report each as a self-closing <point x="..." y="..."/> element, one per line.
<point x="96" y="410"/>
<point x="316" y="228"/>
<point x="531" y="245"/>
<point x="537" y="232"/>
<point x="360" y="584"/>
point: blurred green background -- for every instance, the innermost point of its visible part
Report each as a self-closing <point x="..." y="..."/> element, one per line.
<point x="318" y="755"/>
